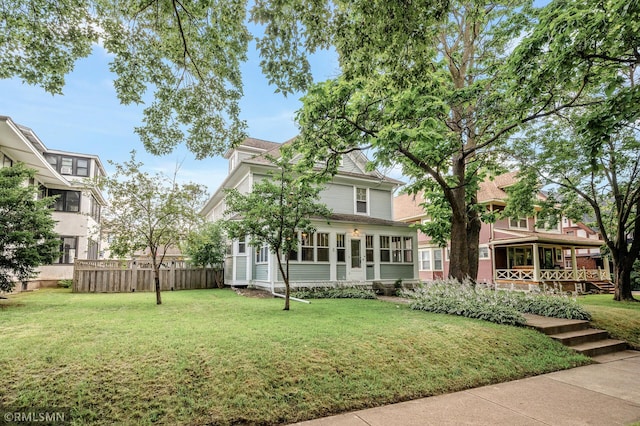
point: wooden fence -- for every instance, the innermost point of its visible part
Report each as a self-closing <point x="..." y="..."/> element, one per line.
<point x="119" y="276"/>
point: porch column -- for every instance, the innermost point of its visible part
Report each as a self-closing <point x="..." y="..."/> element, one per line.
<point x="333" y="257"/>
<point x="249" y="262"/>
<point x="536" y="263"/>
<point x="574" y="263"/>
<point x="492" y="253"/>
<point x="605" y="266"/>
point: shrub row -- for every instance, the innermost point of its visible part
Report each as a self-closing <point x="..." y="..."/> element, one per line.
<point x="502" y="307"/>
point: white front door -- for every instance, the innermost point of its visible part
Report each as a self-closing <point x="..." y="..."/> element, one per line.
<point x="356" y="261"/>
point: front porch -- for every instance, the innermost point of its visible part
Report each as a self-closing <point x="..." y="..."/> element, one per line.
<point x="551" y="264"/>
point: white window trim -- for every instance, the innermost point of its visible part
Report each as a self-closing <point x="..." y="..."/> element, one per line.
<point x="355" y="201"/>
<point x="420" y="259"/>
<point x="432" y="259"/>
<point x="237" y="247"/>
<point x="519" y="219"/>
<point x="488" y="252"/>
<point x="441" y="259"/>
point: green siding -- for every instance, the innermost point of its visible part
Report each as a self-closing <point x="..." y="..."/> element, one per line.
<point x="341" y="272"/>
<point x="308" y="272"/>
<point x="338" y="198"/>
<point x="381" y="204"/>
<point x="261" y="272"/>
<point x="228" y="269"/>
<point x="370" y="272"/>
<point x="394" y="271"/>
<point x="241" y="268"/>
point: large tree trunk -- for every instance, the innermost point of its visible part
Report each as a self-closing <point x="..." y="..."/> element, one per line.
<point x="623" y="265"/>
<point x="458" y="257"/>
<point x="474" y="224"/>
<point x="460" y="243"/>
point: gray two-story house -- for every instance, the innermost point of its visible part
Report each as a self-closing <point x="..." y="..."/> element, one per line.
<point x="359" y="243"/>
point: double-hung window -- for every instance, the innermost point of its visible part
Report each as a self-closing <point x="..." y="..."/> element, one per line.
<point x="307" y="247"/>
<point x="262" y="254"/>
<point x="396" y="249"/>
<point x="361" y="200"/>
<point x="340" y="248"/>
<point x="425" y="260"/>
<point x="322" y="239"/>
<point x="518" y="223"/>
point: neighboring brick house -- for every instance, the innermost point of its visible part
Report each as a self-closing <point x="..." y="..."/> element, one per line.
<point x="77" y="209"/>
<point x="360" y="242"/>
<point x="513" y="250"/>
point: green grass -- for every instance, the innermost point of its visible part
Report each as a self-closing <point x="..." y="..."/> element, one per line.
<point x="213" y="357"/>
<point x="620" y="319"/>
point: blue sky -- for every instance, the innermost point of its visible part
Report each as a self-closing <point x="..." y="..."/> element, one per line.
<point x="88" y="118"/>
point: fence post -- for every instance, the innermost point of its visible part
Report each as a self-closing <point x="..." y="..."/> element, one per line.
<point x="134" y="274"/>
<point x="172" y="276"/>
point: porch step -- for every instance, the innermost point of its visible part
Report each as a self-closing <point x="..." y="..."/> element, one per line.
<point x="600" y="347"/>
<point x="551" y="326"/>
<point x="573" y="338"/>
<point x="604" y="286"/>
<point x="577" y="335"/>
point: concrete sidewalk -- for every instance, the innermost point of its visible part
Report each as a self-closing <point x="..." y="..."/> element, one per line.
<point x="599" y="394"/>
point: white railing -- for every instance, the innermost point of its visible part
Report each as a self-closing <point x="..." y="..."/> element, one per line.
<point x="593" y="275"/>
<point x="554" y="274"/>
<point x="514" y="274"/>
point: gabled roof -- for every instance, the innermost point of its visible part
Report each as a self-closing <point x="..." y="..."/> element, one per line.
<point x="22" y="144"/>
<point x="495" y="189"/>
<point x="272" y="149"/>
<point x="253" y="145"/>
<point x="408" y="206"/>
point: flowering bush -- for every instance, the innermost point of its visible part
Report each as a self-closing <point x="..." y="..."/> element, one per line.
<point x="502" y="307"/>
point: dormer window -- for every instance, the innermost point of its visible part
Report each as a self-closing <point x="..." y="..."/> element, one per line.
<point x="361" y="200"/>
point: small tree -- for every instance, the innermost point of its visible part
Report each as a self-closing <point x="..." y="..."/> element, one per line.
<point x="276" y="209"/>
<point x="206" y="247"/>
<point x="149" y="212"/>
<point x="27" y="239"/>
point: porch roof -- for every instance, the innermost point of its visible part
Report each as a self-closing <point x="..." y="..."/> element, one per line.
<point x="353" y="218"/>
<point x="520" y="237"/>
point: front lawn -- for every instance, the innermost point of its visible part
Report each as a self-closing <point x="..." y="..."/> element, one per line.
<point x="213" y="357"/>
<point x="620" y="319"/>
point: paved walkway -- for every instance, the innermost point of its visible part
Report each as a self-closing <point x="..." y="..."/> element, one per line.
<point x="601" y="394"/>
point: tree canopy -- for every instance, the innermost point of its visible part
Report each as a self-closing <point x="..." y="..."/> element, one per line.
<point x="206" y="247"/>
<point x="590" y="155"/>
<point x="276" y="210"/>
<point x="27" y="239"/>
<point x="187" y="52"/>
<point x="148" y="212"/>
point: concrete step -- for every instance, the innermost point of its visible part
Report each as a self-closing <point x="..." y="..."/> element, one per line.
<point x="572" y="338"/>
<point x="552" y="326"/>
<point x="600" y="347"/>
